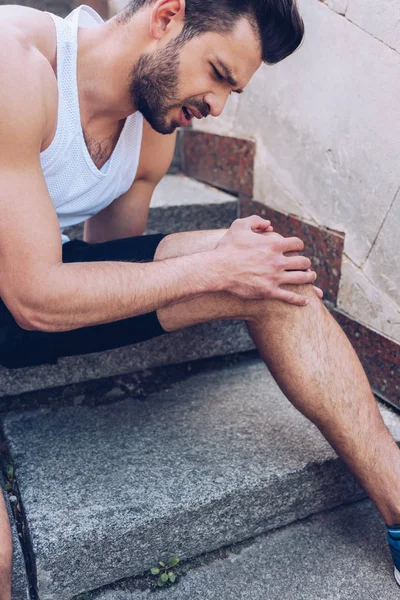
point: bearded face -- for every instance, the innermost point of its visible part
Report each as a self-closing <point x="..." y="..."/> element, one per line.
<point x="155" y="88"/>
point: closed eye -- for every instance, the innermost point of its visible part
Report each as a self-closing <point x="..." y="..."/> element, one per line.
<point x="221" y="77"/>
<point x="217" y="73"/>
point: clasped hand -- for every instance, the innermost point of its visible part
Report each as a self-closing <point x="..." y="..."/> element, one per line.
<point x="258" y="263"/>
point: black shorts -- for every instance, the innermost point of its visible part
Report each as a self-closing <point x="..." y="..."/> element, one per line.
<point x="20" y="348"/>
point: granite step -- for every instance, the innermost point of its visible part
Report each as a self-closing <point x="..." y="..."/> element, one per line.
<point x="213" y="460"/>
<point x="337" y="555"/>
<point x="179" y="204"/>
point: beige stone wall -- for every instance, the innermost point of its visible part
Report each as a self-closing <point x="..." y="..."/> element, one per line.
<point x="327" y="126"/>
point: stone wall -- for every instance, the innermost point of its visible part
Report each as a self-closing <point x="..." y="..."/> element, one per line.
<point x="326" y="123"/>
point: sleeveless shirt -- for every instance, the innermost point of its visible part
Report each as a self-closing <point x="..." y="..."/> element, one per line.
<point x="77" y="187"/>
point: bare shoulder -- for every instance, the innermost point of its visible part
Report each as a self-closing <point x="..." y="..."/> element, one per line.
<point x="34" y="27"/>
<point x="156" y="153"/>
<point x="27" y="82"/>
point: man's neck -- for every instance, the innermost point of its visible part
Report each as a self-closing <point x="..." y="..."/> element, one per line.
<point x="106" y="55"/>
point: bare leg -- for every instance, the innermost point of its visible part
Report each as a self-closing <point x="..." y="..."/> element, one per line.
<point x="315" y="366"/>
<point x="5" y="552"/>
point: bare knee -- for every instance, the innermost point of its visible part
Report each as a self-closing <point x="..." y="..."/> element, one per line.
<point x="278" y="309"/>
<point x="188" y="242"/>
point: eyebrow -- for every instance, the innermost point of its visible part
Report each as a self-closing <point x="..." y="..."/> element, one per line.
<point x="229" y="75"/>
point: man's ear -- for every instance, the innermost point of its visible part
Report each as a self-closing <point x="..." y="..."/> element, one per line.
<point x="167" y="14"/>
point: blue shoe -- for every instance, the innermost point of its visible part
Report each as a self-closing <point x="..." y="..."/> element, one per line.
<point x="393" y="536"/>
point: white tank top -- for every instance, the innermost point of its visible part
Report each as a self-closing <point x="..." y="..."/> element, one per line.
<point x="77" y="187"/>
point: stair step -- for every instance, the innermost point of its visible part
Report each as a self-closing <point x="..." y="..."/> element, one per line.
<point x="340" y="555"/>
<point x="180" y="204"/>
<point x="213" y="460"/>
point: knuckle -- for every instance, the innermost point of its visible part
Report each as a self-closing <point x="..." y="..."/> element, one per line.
<point x="277" y="241"/>
<point x="277" y="264"/>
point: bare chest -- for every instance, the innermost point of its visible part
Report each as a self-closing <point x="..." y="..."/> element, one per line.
<point x="100" y="146"/>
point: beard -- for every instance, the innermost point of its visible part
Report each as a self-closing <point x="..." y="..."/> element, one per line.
<point x="154" y="88"/>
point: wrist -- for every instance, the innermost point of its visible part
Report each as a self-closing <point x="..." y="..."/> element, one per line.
<point x="212" y="273"/>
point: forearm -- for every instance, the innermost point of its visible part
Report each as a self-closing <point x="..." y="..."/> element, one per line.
<point x="77" y="295"/>
<point x="99" y="230"/>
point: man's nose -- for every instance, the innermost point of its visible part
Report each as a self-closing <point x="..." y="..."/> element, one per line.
<point x="216" y="103"/>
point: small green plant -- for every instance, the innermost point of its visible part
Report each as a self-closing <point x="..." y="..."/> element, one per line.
<point x="10" y="477"/>
<point x="165" y="572"/>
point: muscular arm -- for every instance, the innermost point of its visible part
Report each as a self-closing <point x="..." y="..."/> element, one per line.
<point x="41" y="292"/>
<point x="127" y="215"/>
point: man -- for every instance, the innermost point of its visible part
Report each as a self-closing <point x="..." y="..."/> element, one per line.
<point x="74" y="147"/>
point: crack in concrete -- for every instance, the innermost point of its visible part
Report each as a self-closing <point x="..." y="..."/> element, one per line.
<point x="20" y="521"/>
<point x="381" y="227"/>
<point x="372" y="284"/>
<point x="344" y="15"/>
<point x="341" y="14"/>
<point x="372" y="35"/>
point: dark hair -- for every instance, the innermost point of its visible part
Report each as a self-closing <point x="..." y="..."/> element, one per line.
<point x="276" y="22"/>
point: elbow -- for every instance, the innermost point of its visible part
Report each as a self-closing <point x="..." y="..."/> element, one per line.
<point x="31" y="318"/>
<point x="32" y="303"/>
<point x="23" y="319"/>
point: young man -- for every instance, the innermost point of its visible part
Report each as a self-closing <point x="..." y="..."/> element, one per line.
<point x="88" y="112"/>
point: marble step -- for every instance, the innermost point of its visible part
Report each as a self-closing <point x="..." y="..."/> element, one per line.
<point x="179" y="204"/>
<point x="213" y="460"/>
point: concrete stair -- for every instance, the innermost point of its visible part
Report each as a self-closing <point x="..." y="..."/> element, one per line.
<point x="221" y="457"/>
<point x="337" y="555"/>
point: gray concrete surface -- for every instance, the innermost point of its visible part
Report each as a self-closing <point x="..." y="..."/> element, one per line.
<point x="179" y="190"/>
<point x="20" y="586"/>
<point x="380" y="19"/>
<point x="341" y="555"/>
<point x="210" y="461"/>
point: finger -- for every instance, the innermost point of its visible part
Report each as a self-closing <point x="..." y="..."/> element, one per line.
<point x="292" y="298"/>
<point x="297" y="263"/>
<point x="263" y="230"/>
<point x="319" y="292"/>
<point x="269" y="230"/>
<point x="293" y="244"/>
<point x="255" y="222"/>
<point x="298" y="277"/>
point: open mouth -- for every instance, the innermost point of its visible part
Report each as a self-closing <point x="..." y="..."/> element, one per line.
<point x="187" y="113"/>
